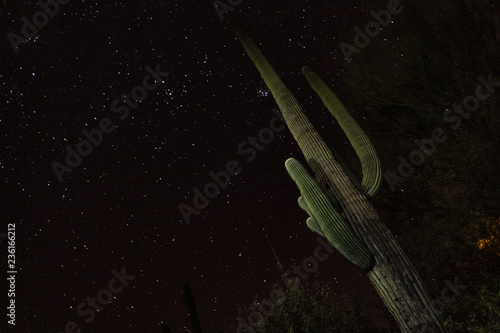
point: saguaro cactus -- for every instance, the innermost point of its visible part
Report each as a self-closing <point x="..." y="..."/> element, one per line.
<point x="188" y="298"/>
<point x="338" y="206"/>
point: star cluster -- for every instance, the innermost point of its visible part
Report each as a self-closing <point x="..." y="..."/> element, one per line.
<point x="119" y="207"/>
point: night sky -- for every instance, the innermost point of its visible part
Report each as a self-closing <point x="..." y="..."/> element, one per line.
<point x="118" y="208"/>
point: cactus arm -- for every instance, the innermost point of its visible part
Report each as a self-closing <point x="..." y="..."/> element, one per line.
<point x="346" y="169"/>
<point x="188" y="298"/>
<point x="333" y="201"/>
<point x="310" y="222"/>
<point x="314" y="226"/>
<point x="303" y="205"/>
<point x="334" y="227"/>
<point x="372" y="171"/>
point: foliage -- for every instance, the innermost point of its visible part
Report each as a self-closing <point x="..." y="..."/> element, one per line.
<point x="481" y="265"/>
<point x="446" y="214"/>
<point x="312" y="308"/>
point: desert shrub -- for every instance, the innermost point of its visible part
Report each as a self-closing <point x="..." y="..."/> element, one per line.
<point x="312" y="308"/>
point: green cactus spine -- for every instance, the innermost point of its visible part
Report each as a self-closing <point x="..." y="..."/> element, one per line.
<point x="326" y="220"/>
<point x="392" y="274"/>
<point x="372" y="171"/>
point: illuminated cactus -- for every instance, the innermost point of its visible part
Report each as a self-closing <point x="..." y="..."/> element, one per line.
<point x="326" y="220"/>
<point x="338" y="205"/>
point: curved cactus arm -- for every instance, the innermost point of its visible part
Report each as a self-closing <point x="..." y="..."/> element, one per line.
<point x="311" y="222"/>
<point x="346" y="169"/>
<point x="333" y="201"/>
<point x="333" y="225"/>
<point x="303" y="205"/>
<point x="314" y="226"/>
<point x="372" y="171"/>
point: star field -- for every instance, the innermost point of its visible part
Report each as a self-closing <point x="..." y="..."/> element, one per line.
<point x="119" y="207"/>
